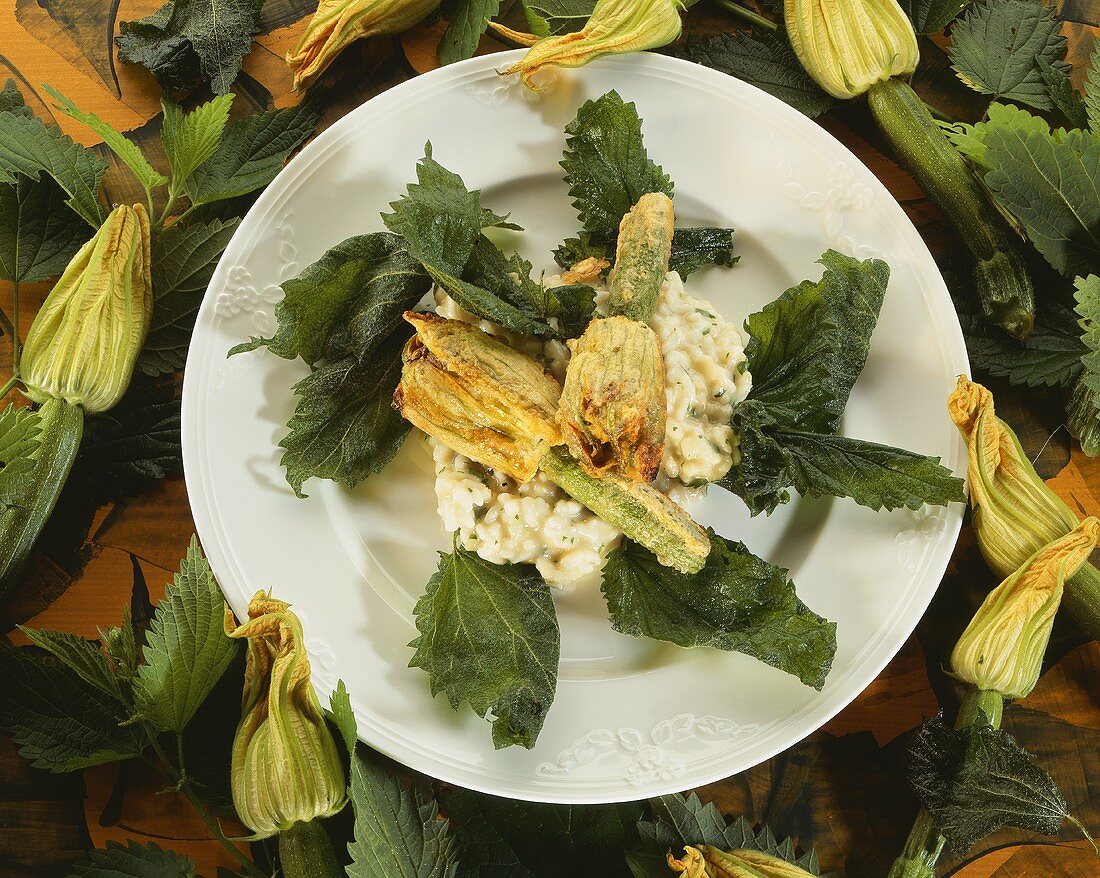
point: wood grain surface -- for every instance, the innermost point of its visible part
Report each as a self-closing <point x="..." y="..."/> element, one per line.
<point x="842" y="790"/>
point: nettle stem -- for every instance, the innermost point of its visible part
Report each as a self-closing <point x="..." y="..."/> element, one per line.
<point x="925" y="844"/>
<point x="1000" y="275"/>
<point x="745" y="14"/>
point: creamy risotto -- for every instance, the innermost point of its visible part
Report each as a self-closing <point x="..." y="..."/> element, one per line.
<point x="538" y="523"/>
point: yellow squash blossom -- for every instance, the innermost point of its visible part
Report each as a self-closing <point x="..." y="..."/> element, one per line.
<point x="615" y="27"/>
<point x="285" y="765"/>
<point x="849" y="45"/>
<point x="85" y="340"/>
<point x="1002" y="648"/>
<point x="338" y="23"/>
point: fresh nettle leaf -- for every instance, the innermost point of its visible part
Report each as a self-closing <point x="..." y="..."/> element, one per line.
<point x="995" y="49"/>
<point x="466" y="21"/>
<point x="767" y="61"/>
<point x="133" y="860"/>
<point x="29" y="148"/>
<point x="737" y="602"/>
<point x="60" y="722"/>
<point x="251" y="152"/>
<point x="606" y="164"/>
<point x="552" y="17"/>
<point x="932" y="16"/>
<point x="186" y="649"/>
<point x="398" y="830"/>
<point x="489" y="637"/>
<point x="19" y="431"/>
<point x="39" y="233"/>
<point x="347" y="302"/>
<point x="876" y="476"/>
<point x="695" y="248"/>
<point x="184" y="257"/>
<point x="507" y="838"/>
<point x="977" y="779"/>
<point x="342" y="715"/>
<point x="970" y="140"/>
<point x="126" y="150"/>
<point x="807" y="348"/>
<point x="11" y="100"/>
<point x="344" y="426"/>
<point x="1052" y="186"/>
<point x="191" y="138"/>
<point x="187" y="40"/>
<point x="1062" y="94"/>
<point x="1092" y="91"/>
<point x="1083" y="417"/>
<point x="83" y="657"/>
<point x="1083" y="409"/>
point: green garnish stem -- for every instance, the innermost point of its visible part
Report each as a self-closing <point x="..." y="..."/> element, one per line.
<point x="61" y="428"/>
<point x="1000" y="275"/>
<point x="305" y="851"/>
<point x="925" y="844"/>
<point x="1081" y="599"/>
<point x="745" y="14"/>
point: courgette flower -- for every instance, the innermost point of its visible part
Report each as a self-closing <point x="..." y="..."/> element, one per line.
<point x="614" y="27"/>
<point x="338" y="23"/>
<point x="1015" y="513"/>
<point x="707" y="861"/>
<point x="1002" y="648"/>
<point x="85" y="340"/>
<point x="477" y="396"/>
<point x="849" y="45"/>
<point x="285" y="765"/>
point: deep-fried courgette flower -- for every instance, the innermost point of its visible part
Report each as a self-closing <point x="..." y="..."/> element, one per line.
<point x="477" y="396"/>
<point x="338" y="23"/>
<point x="1015" y="513"/>
<point x="1002" y="648"/>
<point x="849" y="45"/>
<point x="612" y="413"/>
<point x="285" y="765"/>
<point x="614" y="27"/>
<point x="707" y="861"/>
<point x="85" y="339"/>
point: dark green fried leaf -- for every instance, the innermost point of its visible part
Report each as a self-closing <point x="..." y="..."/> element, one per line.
<point x="696" y="247"/>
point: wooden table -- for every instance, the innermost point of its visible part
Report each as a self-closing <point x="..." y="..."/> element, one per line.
<point x="843" y="789"/>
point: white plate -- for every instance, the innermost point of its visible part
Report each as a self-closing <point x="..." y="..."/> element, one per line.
<point x="632" y="718"/>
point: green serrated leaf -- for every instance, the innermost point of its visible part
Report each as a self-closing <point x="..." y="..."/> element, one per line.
<point x="466" y="22"/>
<point x="1092" y="91"/>
<point x="696" y="247"/>
<point x="1061" y="92"/>
<point x="1083" y="417"/>
<point x="251" y="152"/>
<point x="551" y="17"/>
<point x="1083" y="408"/>
<point x="737" y="602"/>
<point x="931" y="16"/>
<point x="761" y="474"/>
<point x="60" y="722"/>
<point x="489" y="637"/>
<point x="188" y="40"/>
<point x="977" y="779"/>
<point x="343" y="716"/>
<point x="995" y="47"/>
<point x="875" y="476"/>
<point x="19" y="431"/>
<point x="507" y="838"/>
<point x="133" y="860"/>
<point x="83" y="657"/>
<point x="29" y="148"/>
<point x="39" y="233"/>
<point x="127" y="151"/>
<point x="348" y="301"/>
<point x="573" y="250"/>
<point x="1052" y="186"/>
<point x="344" y="426"/>
<point x="184" y="257"/>
<point x="767" y="61"/>
<point x="606" y="164"/>
<point x="11" y="100"/>
<point x="398" y="831"/>
<point x="191" y="138"/>
<point x="186" y="649"/>
<point x="970" y="139"/>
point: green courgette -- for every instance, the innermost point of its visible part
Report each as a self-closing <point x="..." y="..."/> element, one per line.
<point x="305" y="851"/>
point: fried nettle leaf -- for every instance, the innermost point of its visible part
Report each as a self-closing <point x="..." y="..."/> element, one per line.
<point x="692" y="249"/>
<point x="805" y="352"/>
<point x="344" y="426"/>
<point x="737" y="602"/>
<point x="186" y="41"/>
<point x="19" y="431"/>
<point x="506" y="837"/>
<point x="61" y="722"/>
<point x="996" y="45"/>
<point x="489" y="637"/>
<point x="1083" y="408"/>
<point x="186" y="649"/>
<point x="977" y="779"/>
<point x="397" y="826"/>
<point x="466" y="22"/>
<point x="133" y="860"/>
<point x="767" y="61"/>
<point x="930" y="16"/>
<point x="685" y="820"/>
